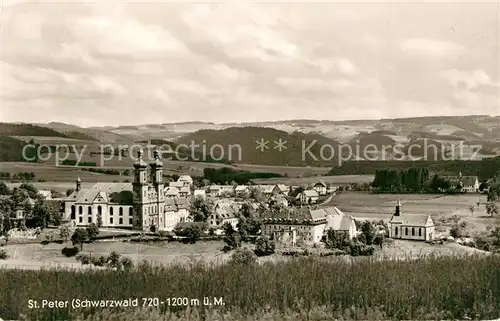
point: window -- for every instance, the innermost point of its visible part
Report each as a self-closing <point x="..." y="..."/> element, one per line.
<point x="110" y="211"/>
<point x="420" y="231"/>
<point x="80" y="219"/>
<point x="130" y="212"/>
<point x="130" y="221"/>
<point x="413" y="231"/>
<point x="90" y="219"/>
<point x="73" y="212"/>
<point x="80" y="210"/>
<point x="406" y="231"/>
<point x="99" y="210"/>
<point x="120" y="221"/>
<point x="110" y="220"/>
<point x="396" y="231"/>
<point x="90" y="210"/>
<point x="121" y="211"/>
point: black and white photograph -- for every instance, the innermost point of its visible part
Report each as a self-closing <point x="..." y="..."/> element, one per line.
<point x="249" y="160"/>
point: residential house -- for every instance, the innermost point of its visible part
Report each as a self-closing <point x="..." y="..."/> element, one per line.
<point x="47" y="195"/>
<point x="308" y="197"/>
<point x="227" y="190"/>
<point x="224" y="212"/>
<point x="172" y="192"/>
<point x="409" y="226"/>
<point x="284" y="189"/>
<point x="200" y="193"/>
<point x="332" y="189"/>
<point x="185" y="191"/>
<point x="176" y="211"/>
<point x="320" y="187"/>
<point x="214" y="191"/>
<point x="185" y="180"/>
<point x="341" y="223"/>
<point x="242" y="190"/>
<point x="468" y="184"/>
<point x="280" y="200"/>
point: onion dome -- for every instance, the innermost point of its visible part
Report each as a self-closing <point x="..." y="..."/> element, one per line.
<point x="140" y="163"/>
<point x="157" y="162"/>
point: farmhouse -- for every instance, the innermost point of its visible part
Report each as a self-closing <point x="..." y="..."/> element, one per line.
<point x="242" y="190"/>
<point x="143" y="205"/>
<point x="340" y="222"/>
<point x="468" y="184"/>
<point x="200" y="193"/>
<point x="225" y="212"/>
<point x="185" y="180"/>
<point x="308" y="197"/>
<point x="320" y="187"/>
<point x="411" y="226"/>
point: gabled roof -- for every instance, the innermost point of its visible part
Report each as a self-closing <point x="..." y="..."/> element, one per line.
<point x="296" y="216"/>
<point x="171" y="191"/>
<point x="412" y="219"/>
<point x="283" y="187"/>
<point x="241" y="188"/>
<point x="46" y="194"/>
<point x="309" y="193"/>
<point x="333" y="210"/>
<point x="320" y="183"/>
<point x="185" y="178"/>
<point x="89" y="195"/>
<point x="340" y="222"/>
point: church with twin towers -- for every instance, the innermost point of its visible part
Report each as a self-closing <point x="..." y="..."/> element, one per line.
<point x="140" y="205"/>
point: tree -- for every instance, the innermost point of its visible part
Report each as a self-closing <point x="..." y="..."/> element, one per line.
<point x="264" y="246"/>
<point x="367" y="232"/>
<point x="80" y="236"/>
<point x="336" y="240"/>
<point x="231" y="237"/>
<point x="248" y="226"/>
<point x="190" y="230"/>
<point x="69" y="191"/>
<point x="4" y="189"/>
<point x="200" y="209"/>
<point x="40" y="215"/>
<point x="491" y="208"/>
<point x="243" y="257"/>
<point x="64" y="232"/>
<point x="92" y="232"/>
<point x="32" y="191"/>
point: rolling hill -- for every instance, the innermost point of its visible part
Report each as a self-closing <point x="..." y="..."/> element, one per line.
<point x="240" y="145"/>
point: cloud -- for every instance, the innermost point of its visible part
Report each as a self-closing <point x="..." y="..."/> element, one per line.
<point x="224" y="62"/>
<point x="431" y="47"/>
<point x="468" y="79"/>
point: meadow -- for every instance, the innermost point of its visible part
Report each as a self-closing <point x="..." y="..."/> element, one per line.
<point x="430" y="288"/>
<point x="334" y="179"/>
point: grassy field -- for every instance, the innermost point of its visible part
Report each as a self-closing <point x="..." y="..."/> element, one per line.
<point x="337" y="179"/>
<point x="34" y="255"/>
<point x="427" y="288"/>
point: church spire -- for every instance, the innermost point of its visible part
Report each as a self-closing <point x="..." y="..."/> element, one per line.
<point x="398" y="208"/>
<point x="78" y="183"/>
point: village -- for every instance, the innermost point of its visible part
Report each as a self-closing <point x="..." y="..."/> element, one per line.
<point x="272" y="218"/>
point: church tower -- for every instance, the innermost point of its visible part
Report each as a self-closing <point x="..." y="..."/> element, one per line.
<point x="398" y="208"/>
<point x="140" y="194"/>
<point x="157" y="184"/>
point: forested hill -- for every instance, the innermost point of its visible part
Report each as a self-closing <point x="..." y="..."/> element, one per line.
<point x="10" y="129"/>
<point x="247" y="139"/>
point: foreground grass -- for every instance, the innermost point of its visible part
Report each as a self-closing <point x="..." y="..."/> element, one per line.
<point x="310" y="288"/>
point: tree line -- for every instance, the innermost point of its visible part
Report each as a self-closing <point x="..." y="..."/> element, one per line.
<point x="412" y="180"/>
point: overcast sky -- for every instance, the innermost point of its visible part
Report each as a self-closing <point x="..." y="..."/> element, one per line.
<point x="113" y="63"/>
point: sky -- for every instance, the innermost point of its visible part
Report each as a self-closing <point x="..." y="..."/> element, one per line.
<point x="116" y="63"/>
